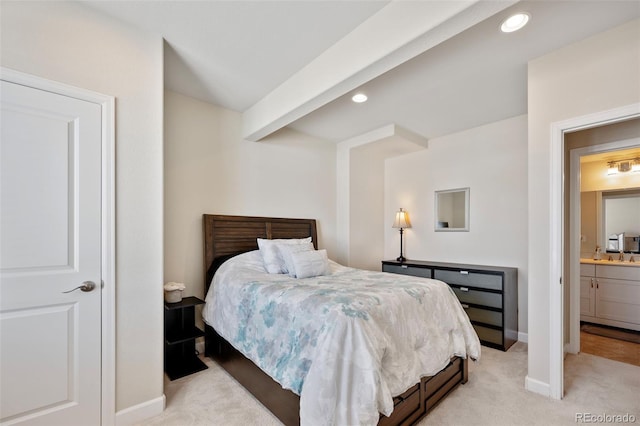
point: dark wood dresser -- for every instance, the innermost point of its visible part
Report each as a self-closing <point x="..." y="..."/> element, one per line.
<point x="489" y="295"/>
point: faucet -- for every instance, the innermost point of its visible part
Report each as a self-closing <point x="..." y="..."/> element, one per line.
<point x="621" y="256"/>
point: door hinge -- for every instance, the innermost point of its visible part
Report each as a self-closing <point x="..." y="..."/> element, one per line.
<point x="560" y="280"/>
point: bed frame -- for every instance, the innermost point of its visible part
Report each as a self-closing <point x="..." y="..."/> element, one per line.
<point x="228" y="236"/>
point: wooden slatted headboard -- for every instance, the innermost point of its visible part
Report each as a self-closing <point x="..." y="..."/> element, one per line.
<point x="227" y="236"/>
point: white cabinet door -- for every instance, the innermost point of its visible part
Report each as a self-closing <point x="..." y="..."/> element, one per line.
<point x="587" y="296"/>
<point x="50" y="236"/>
<point x="618" y="300"/>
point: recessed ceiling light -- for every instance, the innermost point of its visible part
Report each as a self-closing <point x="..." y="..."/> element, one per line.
<point x="514" y="22"/>
<point x="359" y="98"/>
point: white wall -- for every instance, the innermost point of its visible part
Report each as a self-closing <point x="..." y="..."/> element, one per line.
<point x="593" y="177"/>
<point x="593" y="75"/>
<point x="490" y="160"/>
<point x="366" y="198"/>
<point x="210" y="169"/>
<point x="69" y="43"/>
<point x="360" y="189"/>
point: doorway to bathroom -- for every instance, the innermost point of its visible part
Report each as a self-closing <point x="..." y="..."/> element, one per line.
<point x="603" y="298"/>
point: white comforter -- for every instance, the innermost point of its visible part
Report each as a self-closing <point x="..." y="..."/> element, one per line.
<point x="346" y="342"/>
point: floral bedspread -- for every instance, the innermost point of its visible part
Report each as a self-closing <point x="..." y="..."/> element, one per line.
<point x="346" y="342"/>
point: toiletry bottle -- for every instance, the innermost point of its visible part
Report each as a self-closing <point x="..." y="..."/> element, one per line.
<point x="598" y="254"/>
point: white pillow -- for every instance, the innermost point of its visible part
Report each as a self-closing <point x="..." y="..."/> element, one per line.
<point x="271" y="256"/>
<point x="287" y="250"/>
<point x="310" y="263"/>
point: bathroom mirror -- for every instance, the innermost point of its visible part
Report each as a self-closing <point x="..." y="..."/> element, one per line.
<point x="621" y="215"/>
<point x="452" y="210"/>
<point x="604" y="214"/>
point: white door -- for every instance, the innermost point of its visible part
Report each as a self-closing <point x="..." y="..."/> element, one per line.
<point x="50" y="230"/>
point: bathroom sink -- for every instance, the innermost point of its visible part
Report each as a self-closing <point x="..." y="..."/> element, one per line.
<point x="616" y="262"/>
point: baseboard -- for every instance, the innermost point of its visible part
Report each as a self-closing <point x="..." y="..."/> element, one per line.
<point x="570" y="348"/>
<point x="523" y="337"/>
<point x="140" y="412"/>
<point x="536" y="386"/>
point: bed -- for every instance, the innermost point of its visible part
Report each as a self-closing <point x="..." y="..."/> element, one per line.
<point x="227" y="237"/>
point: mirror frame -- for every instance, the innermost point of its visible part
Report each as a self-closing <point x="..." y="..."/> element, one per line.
<point x="466" y="210"/>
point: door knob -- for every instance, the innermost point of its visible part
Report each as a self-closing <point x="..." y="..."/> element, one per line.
<point x="86" y="286"/>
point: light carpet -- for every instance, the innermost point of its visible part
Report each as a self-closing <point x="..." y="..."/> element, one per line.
<point x="494" y="395"/>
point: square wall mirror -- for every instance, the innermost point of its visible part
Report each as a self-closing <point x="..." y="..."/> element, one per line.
<point x="452" y="210"/>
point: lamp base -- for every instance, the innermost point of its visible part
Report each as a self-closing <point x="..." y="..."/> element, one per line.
<point x="401" y="259"/>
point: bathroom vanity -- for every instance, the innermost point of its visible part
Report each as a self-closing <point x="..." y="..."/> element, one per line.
<point x="610" y="292"/>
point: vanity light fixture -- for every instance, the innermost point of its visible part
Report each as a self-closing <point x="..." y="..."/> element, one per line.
<point x="359" y="98"/>
<point x="514" y="22"/>
<point x="623" y="166"/>
<point x="401" y="221"/>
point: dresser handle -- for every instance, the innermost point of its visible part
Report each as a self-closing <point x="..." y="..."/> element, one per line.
<point x="464" y="272"/>
<point x="465" y="306"/>
<point x="464" y="289"/>
<point x="404" y="266"/>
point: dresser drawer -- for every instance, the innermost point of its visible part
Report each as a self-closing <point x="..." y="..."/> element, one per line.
<point x="488" y="334"/>
<point x="476" y="297"/>
<point x="471" y="279"/>
<point x="407" y="270"/>
<point x="483" y="315"/>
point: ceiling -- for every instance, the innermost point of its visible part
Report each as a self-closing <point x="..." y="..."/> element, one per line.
<point x="232" y="53"/>
<point x="235" y="53"/>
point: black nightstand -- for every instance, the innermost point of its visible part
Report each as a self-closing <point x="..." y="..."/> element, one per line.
<point x="180" y="334"/>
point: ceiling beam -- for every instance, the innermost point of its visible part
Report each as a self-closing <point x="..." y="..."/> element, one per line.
<point x="398" y="32"/>
<point x="388" y="132"/>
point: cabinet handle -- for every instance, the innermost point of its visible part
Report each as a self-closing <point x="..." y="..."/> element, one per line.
<point x="465" y="306"/>
<point x="464" y="272"/>
<point x="597" y="284"/>
<point x="404" y="266"/>
<point x="464" y="289"/>
<point x="591" y="282"/>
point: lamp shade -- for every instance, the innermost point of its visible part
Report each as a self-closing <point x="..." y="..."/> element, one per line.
<point x="402" y="220"/>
